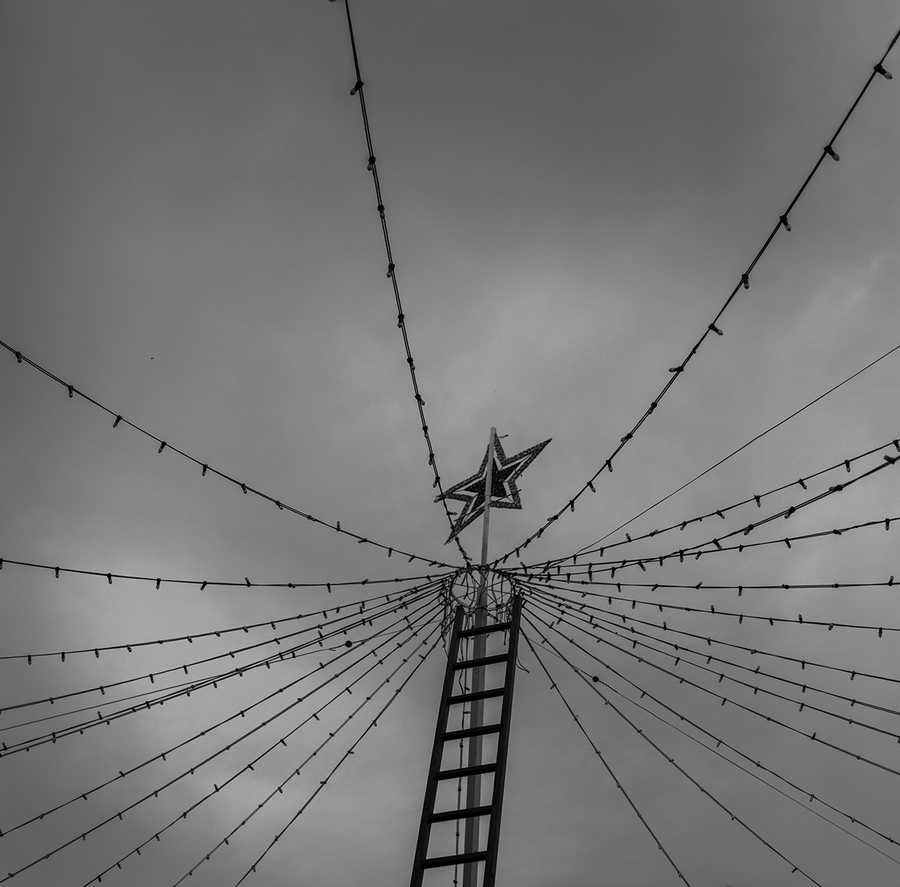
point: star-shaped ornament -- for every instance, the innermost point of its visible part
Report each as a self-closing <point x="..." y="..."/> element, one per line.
<point x="504" y="492"/>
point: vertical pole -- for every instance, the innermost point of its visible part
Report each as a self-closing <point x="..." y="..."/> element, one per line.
<point x="476" y="716"/>
<point x="493" y="844"/>
<point x="485" y="527"/>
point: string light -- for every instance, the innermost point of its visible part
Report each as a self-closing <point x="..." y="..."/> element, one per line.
<point x="191" y="771"/>
<point x="678" y="370"/>
<point x="632" y="638"/>
<point x="802" y="481"/>
<point x="772" y="719"/>
<point x="712" y="611"/>
<point x="372" y="167"/>
<point x="719" y="742"/>
<point x="756" y="651"/>
<point x="186" y="689"/>
<point x="555" y="686"/>
<point x="608" y="702"/>
<point x="207" y="468"/>
<point x="429" y="585"/>
<point x="570" y="505"/>
<point x="836" y="531"/>
<point x="699" y="550"/>
<point x="372" y="724"/>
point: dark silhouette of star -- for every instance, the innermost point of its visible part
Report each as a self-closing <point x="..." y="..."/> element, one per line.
<point x="504" y="492"/>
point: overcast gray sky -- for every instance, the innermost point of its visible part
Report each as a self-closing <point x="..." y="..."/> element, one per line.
<point x="573" y="189"/>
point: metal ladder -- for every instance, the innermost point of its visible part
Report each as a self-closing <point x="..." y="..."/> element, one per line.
<point x="422" y="862"/>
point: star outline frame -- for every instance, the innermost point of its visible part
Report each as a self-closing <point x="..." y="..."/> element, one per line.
<point x="504" y="490"/>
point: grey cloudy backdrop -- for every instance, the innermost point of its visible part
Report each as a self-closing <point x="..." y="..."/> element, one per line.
<point x="189" y="236"/>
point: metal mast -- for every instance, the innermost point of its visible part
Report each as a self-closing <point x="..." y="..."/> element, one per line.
<point x="494" y="483"/>
<point x="476" y="710"/>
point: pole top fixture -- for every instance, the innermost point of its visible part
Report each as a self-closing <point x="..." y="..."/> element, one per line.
<point x="504" y="493"/>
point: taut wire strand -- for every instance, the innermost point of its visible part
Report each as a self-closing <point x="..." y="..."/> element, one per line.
<point x="744" y="446"/>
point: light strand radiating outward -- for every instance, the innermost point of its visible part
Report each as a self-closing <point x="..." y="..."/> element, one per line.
<point x="723" y="699"/>
<point x="401" y="627"/>
<point x="715" y="547"/>
<point x="685" y="719"/>
<point x="203" y="584"/>
<point x="351" y="750"/>
<point x="218" y="632"/>
<point x="713" y="327"/>
<point x="808" y="796"/>
<point x="633" y="637"/>
<point x="604" y="761"/>
<point x="410" y="629"/>
<point x="744" y="446"/>
<point x="372" y="165"/>
<point x="119" y="419"/>
<point x="337" y="626"/>
<point x="295" y="771"/>
<point x="573" y="607"/>
<point x="721" y="511"/>
<point x="184" y="690"/>
<point x="593" y="685"/>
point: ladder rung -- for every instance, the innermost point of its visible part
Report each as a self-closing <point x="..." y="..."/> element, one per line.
<point x="474" y="697"/>
<point x="461" y="814"/>
<point x="471" y="731"/>
<point x="459" y="859"/>
<point x="484" y="629"/>
<point x="485" y="660"/>
<point x="462" y="772"/>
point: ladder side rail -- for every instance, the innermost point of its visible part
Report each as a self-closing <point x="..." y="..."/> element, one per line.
<point x="437" y="751"/>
